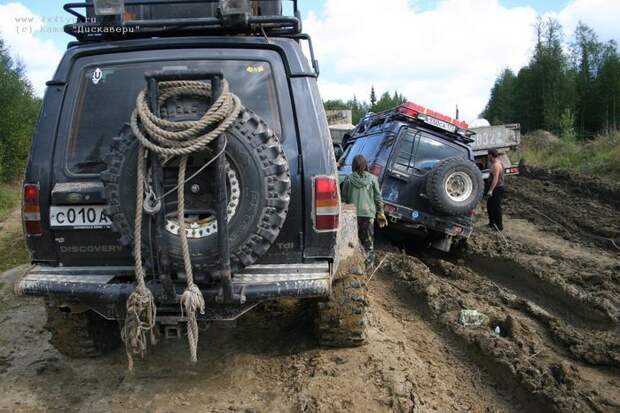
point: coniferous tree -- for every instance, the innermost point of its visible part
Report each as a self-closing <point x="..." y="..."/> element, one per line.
<point x="373" y="98"/>
<point x="607" y="88"/>
<point x="501" y="105"/>
<point x="586" y="51"/>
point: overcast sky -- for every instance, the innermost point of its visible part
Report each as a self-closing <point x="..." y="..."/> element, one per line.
<point x="438" y="53"/>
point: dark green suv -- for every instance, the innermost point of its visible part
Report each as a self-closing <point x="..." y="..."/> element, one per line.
<point x="261" y="223"/>
<point x="425" y="165"/>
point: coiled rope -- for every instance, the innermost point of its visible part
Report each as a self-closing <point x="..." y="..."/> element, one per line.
<point x="171" y="139"/>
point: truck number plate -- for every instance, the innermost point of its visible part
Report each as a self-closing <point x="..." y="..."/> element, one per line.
<point x="79" y="217"/>
<point x="440" y="124"/>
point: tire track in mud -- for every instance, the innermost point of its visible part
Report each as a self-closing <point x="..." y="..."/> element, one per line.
<point x="573" y="308"/>
<point x="438" y="367"/>
<point x="552" y="287"/>
<point x="523" y="358"/>
<point x="565" y="208"/>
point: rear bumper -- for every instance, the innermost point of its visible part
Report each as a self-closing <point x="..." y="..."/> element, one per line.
<point x="106" y="289"/>
<point x="407" y="219"/>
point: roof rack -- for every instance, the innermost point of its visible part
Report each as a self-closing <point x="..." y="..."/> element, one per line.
<point x="182" y="16"/>
<point x="412" y="112"/>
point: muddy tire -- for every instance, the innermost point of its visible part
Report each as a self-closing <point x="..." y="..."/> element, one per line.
<point x="81" y="335"/>
<point x="258" y="200"/>
<point x="454" y="186"/>
<point x="343" y="320"/>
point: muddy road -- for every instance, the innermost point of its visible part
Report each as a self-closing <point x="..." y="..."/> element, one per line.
<point x="550" y="339"/>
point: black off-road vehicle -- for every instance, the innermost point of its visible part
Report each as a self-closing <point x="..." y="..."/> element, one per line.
<point x="262" y="221"/>
<point x="425" y="165"/>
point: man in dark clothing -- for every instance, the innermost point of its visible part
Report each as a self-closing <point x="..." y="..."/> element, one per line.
<point x="495" y="192"/>
<point x="361" y="188"/>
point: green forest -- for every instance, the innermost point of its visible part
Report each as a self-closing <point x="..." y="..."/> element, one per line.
<point x="361" y="108"/>
<point x="19" y="108"/>
<point x="570" y="86"/>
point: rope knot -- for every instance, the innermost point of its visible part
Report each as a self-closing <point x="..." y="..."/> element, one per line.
<point x="192" y="301"/>
<point x="140" y="321"/>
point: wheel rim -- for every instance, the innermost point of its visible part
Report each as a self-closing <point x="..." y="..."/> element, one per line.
<point x="196" y="228"/>
<point x="459" y="186"/>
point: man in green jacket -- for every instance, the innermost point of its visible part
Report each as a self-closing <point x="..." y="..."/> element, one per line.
<point x="361" y="189"/>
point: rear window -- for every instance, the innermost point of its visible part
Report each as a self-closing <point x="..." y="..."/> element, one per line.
<point x="419" y="150"/>
<point x="430" y="151"/>
<point x="104" y="106"/>
<point x="367" y="146"/>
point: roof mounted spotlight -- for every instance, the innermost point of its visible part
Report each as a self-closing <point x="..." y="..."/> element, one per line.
<point x="235" y="13"/>
<point x="109" y="7"/>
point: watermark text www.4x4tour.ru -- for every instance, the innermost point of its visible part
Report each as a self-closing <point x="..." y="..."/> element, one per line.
<point x="55" y="24"/>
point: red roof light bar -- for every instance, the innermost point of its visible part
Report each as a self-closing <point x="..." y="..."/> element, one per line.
<point x="413" y="109"/>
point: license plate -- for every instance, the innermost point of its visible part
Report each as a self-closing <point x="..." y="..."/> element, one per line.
<point x="440" y="124"/>
<point x="79" y="217"/>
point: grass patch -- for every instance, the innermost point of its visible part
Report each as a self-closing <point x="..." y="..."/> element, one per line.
<point x="10" y="198"/>
<point x="599" y="157"/>
<point x="13" y="250"/>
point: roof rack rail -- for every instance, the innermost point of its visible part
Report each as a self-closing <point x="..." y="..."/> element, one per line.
<point x="218" y="17"/>
<point x="412" y="112"/>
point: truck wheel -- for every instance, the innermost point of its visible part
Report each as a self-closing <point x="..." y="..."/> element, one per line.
<point x="342" y="321"/>
<point x="81" y="335"/>
<point x="454" y="186"/>
<point x="259" y="187"/>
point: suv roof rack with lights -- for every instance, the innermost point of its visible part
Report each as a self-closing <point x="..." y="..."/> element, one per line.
<point x="412" y="112"/>
<point x="109" y="19"/>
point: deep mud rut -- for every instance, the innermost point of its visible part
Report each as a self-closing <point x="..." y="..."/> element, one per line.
<point x="554" y="294"/>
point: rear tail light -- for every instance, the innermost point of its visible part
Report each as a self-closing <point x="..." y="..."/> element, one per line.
<point x="389" y="209"/>
<point x="326" y="204"/>
<point x="32" y="210"/>
<point x="512" y="171"/>
<point x="376" y="169"/>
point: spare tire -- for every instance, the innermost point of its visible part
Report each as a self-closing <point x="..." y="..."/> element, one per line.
<point x="454" y="186"/>
<point x="259" y="187"/>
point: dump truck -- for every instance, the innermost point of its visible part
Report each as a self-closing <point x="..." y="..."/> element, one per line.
<point x="503" y="138"/>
